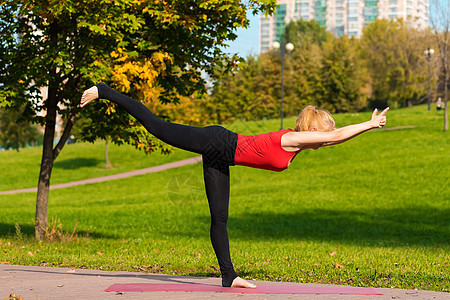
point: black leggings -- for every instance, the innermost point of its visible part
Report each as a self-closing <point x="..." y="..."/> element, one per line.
<point x="217" y="146"/>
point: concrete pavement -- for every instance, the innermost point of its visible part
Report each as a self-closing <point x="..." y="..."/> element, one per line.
<point x="42" y="283"/>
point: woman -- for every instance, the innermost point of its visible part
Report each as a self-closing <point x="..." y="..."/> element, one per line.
<point x="221" y="148"/>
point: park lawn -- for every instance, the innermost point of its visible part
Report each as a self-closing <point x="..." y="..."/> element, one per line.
<point x="374" y="211"/>
<point x="77" y="162"/>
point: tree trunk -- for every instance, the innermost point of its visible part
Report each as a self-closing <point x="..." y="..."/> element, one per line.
<point x="41" y="220"/>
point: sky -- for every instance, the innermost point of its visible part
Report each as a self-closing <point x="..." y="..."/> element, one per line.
<point x="247" y="42"/>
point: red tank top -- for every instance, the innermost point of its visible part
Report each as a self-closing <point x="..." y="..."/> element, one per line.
<point x="263" y="151"/>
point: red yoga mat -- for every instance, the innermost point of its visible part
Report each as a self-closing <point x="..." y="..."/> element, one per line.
<point x="273" y="289"/>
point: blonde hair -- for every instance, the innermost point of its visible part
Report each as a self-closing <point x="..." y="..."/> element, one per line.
<point x="312" y="117"/>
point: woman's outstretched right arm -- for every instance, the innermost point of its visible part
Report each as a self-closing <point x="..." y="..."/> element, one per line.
<point x="303" y="139"/>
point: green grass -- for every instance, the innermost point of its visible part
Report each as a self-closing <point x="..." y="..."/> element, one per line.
<point x="380" y="201"/>
<point x="76" y="162"/>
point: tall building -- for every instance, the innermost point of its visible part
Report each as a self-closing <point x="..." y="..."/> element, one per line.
<point x="340" y="16"/>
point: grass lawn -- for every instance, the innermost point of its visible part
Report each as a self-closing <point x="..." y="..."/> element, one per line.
<point x="374" y="211"/>
<point x="77" y="162"/>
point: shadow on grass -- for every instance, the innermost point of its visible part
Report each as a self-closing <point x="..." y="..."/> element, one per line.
<point x="27" y="231"/>
<point x="76" y="163"/>
<point x="421" y="226"/>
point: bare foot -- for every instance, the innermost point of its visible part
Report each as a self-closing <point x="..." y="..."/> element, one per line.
<point x="238" y="282"/>
<point x="89" y="95"/>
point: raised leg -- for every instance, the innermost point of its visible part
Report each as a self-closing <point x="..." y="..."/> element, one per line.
<point x="190" y="138"/>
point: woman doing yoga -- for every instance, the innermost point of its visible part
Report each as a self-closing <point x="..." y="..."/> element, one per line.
<point x="221" y="148"/>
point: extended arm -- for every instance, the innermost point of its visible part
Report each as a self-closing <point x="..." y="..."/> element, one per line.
<point x="304" y="139"/>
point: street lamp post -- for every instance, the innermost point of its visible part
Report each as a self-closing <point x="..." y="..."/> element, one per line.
<point x="428" y="53"/>
<point x="283" y="48"/>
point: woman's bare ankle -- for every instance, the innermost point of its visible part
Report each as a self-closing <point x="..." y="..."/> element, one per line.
<point x="238" y="282"/>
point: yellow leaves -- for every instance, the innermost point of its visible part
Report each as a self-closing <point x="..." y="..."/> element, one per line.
<point x="111" y="109"/>
<point x="114" y="54"/>
<point x="141" y="72"/>
<point x="122" y="81"/>
<point x="158" y="56"/>
<point x="188" y="22"/>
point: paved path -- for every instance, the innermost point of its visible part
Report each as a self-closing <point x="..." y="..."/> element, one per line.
<point x="47" y="283"/>
<point x="159" y="168"/>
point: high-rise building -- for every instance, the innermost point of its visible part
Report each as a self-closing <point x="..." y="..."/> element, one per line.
<point x="340" y="16"/>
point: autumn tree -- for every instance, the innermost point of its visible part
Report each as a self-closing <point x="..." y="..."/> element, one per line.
<point x="140" y="47"/>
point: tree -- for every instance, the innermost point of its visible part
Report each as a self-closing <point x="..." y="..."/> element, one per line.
<point x="394" y="56"/>
<point x="302" y="77"/>
<point x="302" y="31"/>
<point x="253" y="92"/>
<point x="304" y="82"/>
<point x="343" y="76"/>
<point x="139" y="47"/>
<point x="16" y="134"/>
<point x="440" y="21"/>
<point x="250" y="93"/>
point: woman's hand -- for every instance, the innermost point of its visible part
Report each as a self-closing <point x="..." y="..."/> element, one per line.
<point x="378" y="121"/>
